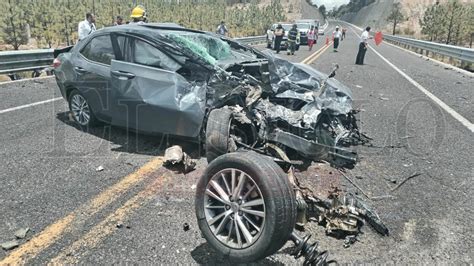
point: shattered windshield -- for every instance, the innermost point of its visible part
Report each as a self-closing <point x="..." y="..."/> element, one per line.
<point x="209" y="48"/>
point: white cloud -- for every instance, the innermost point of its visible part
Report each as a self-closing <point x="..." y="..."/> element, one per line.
<point x="330" y="3"/>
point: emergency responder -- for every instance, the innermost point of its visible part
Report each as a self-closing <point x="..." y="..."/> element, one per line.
<point x="279" y="34"/>
<point x="363" y="44"/>
<point x="87" y="26"/>
<point x="336" y="36"/>
<point x="138" y="15"/>
<point x="293" y="37"/>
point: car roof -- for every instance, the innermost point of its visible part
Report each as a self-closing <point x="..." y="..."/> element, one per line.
<point x="147" y="27"/>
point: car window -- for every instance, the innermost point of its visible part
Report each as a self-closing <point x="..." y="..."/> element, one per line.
<point x="147" y="55"/>
<point x="99" y="49"/>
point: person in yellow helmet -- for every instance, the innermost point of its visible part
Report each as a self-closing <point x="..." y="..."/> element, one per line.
<point x="138" y="15"/>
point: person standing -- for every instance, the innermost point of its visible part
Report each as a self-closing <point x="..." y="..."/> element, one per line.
<point x="87" y="26"/>
<point x="343" y="34"/>
<point x="363" y="46"/>
<point x="293" y="35"/>
<point x="138" y="15"/>
<point x="336" y="36"/>
<point x="118" y="21"/>
<point x="279" y="34"/>
<point x="222" y="29"/>
<point x="312" y="37"/>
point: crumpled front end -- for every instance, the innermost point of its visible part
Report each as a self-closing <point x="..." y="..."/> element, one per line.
<point x="293" y="107"/>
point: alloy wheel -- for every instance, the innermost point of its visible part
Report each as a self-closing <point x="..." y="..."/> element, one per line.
<point x="234" y="208"/>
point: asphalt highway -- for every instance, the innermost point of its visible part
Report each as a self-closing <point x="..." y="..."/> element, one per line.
<point x="135" y="210"/>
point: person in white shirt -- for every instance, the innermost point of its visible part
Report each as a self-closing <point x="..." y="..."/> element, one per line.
<point x="363" y="46"/>
<point x="222" y="29"/>
<point x="336" y="36"/>
<point x="87" y="26"/>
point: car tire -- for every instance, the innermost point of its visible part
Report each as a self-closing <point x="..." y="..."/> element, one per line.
<point x="277" y="203"/>
<point x="81" y="110"/>
<point x="218" y="133"/>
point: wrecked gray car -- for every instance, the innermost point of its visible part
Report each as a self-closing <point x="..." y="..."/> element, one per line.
<point x="170" y="80"/>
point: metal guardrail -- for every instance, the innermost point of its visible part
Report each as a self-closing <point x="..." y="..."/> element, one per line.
<point x="26" y="60"/>
<point x="29" y="60"/>
<point x="461" y="53"/>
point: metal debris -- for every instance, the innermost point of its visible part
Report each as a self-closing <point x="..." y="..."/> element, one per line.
<point x="175" y="157"/>
<point x="350" y="240"/>
<point x="9" y="245"/>
<point x="405" y="180"/>
<point x="354" y="184"/>
<point x="21" y="233"/>
<point x="99" y="169"/>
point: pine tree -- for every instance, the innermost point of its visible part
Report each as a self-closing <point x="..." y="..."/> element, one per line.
<point x="15" y="29"/>
<point x="396" y="16"/>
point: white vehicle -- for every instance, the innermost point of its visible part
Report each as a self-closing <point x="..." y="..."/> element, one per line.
<point x="313" y="22"/>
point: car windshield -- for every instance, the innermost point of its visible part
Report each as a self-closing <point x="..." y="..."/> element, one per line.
<point x="210" y="48"/>
<point x="304" y="26"/>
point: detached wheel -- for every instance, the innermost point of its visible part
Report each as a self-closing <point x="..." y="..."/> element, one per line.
<point x="245" y="206"/>
<point x="80" y="109"/>
<point x="218" y="133"/>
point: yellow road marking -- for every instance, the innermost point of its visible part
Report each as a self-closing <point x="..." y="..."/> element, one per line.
<point x="106" y="227"/>
<point x="310" y="59"/>
<point x="313" y="58"/>
<point x="53" y="232"/>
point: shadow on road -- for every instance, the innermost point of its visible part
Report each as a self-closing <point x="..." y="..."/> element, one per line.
<point x="205" y="255"/>
<point x="134" y="142"/>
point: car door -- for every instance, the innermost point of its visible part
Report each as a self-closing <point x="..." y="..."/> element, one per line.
<point x="149" y="96"/>
<point x="92" y="70"/>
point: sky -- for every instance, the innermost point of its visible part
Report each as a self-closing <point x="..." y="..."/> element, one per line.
<point x="330" y="3"/>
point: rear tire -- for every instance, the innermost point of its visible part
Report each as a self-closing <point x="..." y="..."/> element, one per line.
<point x="269" y="187"/>
<point x="81" y="110"/>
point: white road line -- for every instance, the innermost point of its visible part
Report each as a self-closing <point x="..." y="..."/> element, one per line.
<point x="28" y="105"/>
<point x="430" y="95"/>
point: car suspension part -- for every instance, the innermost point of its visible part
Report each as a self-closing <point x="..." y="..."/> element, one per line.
<point x="309" y="251"/>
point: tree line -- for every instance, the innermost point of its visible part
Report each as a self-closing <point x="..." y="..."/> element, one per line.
<point x="53" y="23"/>
<point x="450" y="23"/>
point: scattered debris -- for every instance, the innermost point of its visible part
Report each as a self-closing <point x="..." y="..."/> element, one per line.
<point x="9" y="245"/>
<point x="186" y="227"/>
<point x="405" y="180"/>
<point x="358" y="86"/>
<point x="175" y="157"/>
<point x="354" y="184"/>
<point x="99" y="169"/>
<point x="383" y="197"/>
<point x="193" y="187"/>
<point x="384" y="98"/>
<point x="119" y="225"/>
<point x="407" y="137"/>
<point x="21" y="233"/>
<point x="350" y="240"/>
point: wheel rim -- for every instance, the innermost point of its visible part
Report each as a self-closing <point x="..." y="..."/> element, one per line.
<point x="234" y="208"/>
<point x="80" y="109"/>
